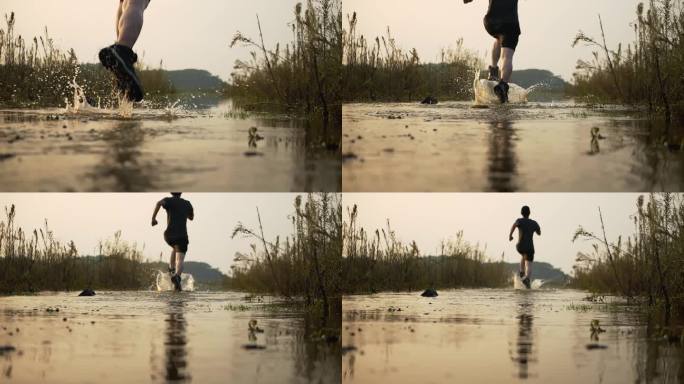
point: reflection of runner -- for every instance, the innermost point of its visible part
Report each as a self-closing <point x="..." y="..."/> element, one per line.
<point x="502" y="23"/>
<point x="526" y="230"/>
<point x="120" y="58"/>
<point x="178" y="211"/>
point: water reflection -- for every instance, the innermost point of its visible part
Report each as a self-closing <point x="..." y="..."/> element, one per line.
<point x="175" y="344"/>
<point x="524" y="352"/>
<point x="503" y="162"/>
<point x="122" y="168"/>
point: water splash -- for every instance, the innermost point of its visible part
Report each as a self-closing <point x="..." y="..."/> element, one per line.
<point x="484" y="92"/>
<point x="518" y="284"/>
<point x="163" y="282"/>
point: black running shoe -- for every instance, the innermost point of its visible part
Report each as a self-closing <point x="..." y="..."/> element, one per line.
<point x="176" y="280"/>
<point x="521" y="274"/>
<point x="494" y="74"/>
<point x="172" y="271"/>
<point x="501" y="91"/>
<point x="119" y="60"/>
<point x="527" y="283"/>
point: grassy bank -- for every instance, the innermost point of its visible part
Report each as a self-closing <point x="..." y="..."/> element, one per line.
<point x="647" y="265"/>
<point x="379" y="261"/>
<point x="648" y="71"/>
<point x="304" y="75"/>
<point x="380" y="70"/>
<point x="37" y="73"/>
<point x="304" y="264"/>
<point x="32" y="261"/>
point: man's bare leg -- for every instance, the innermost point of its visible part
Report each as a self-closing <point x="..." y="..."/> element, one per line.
<point x="494" y="73"/>
<point x="180" y="257"/>
<point x="528" y="269"/>
<point x="507" y="67"/>
<point x="119" y="12"/>
<point x="130" y="22"/>
<point x="172" y="260"/>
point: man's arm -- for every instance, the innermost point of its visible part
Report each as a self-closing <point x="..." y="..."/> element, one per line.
<point x="538" y="230"/>
<point x="467" y="1"/>
<point x="156" y="210"/>
<point x="510" y="236"/>
<point x="191" y="215"/>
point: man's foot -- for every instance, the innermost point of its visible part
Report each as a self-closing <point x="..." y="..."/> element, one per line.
<point x="119" y="60"/>
<point x="172" y="271"/>
<point x="494" y="74"/>
<point x="521" y="274"/>
<point x="501" y="91"/>
<point x="176" y="280"/>
<point x="526" y="281"/>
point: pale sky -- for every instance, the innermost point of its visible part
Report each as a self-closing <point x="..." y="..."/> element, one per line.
<point x="487" y="219"/>
<point x="87" y="218"/>
<point x="185" y="34"/>
<point x="548" y="27"/>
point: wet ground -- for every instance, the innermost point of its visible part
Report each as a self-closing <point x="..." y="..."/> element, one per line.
<point x="134" y="337"/>
<point x="501" y="336"/>
<point x="538" y="146"/>
<point x="153" y="150"/>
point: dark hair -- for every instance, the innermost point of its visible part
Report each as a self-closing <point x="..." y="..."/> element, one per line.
<point x="525" y="211"/>
<point x="176" y="194"/>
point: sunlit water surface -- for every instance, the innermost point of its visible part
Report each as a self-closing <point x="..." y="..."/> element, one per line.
<point x="152" y="149"/>
<point x="135" y="337"/>
<point x="500" y="336"/>
<point x="535" y="146"/>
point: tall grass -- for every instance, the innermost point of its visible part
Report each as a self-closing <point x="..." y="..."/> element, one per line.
<point x="36" y="73"/>
<point x="649" y="71"/>
<point x="379" y="70"/>
<point x="649" y="264"/>
<point x="304" y="75"/>
<point x="379" y="261"/>
<point x="304" y="264"/>
<point x="36" y="261"/>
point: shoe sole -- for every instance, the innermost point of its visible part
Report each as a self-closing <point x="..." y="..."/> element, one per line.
<point x="113" y="62"/>
<point x="501" y="95"/>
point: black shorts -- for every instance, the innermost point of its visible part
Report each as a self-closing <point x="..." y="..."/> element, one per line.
<point x="523" y="251"/>
<point x="177" y="241"/>
<point x="507" y="33"/>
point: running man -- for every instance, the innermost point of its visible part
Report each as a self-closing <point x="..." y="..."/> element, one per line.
<point x="525" y="247"/>
<point x="120" y="58"/>
<point x="178" y="211"/>
<point x="502" y="23"/>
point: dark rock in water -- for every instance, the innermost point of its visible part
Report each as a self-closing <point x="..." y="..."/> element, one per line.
<point x="592" y="347"/>
<point x="430" y="100"/>
<point x="252" y="347"/>
<point x="87" y="292"/>
<point x="6" y="349"/>
<point x="347" y="349"/>
<point x="430" y="293"/>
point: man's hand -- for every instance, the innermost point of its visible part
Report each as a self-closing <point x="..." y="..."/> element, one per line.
<point x="154" y="222"/>
<point x="467" y="1"/>
<point x="510" y="238"/>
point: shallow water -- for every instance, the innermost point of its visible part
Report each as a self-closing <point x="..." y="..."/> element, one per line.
<point x="538" y="146"/>
<point x="133" y="337"/>
<point x="162" y="149"/>
<point x="500" y="336"/>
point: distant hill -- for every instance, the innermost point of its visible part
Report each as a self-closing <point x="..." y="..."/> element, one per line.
<point x="529" y="77"/>
<point x="194" y="79"/>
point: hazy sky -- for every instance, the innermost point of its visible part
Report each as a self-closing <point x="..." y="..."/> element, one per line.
<point x="185" y="34"/>
<point x="88" y="218"/>
<point x="548" y="27"/>
<point x="487" y="219"/>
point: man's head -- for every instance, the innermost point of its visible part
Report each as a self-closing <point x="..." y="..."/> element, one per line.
<point x="525" y="211"/>
<point x="176" y="194"/>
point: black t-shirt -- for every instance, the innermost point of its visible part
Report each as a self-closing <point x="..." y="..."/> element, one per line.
<point x="503" y="12"/>
<point x="178" y="212"/>
<point x="527" y="228"/>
